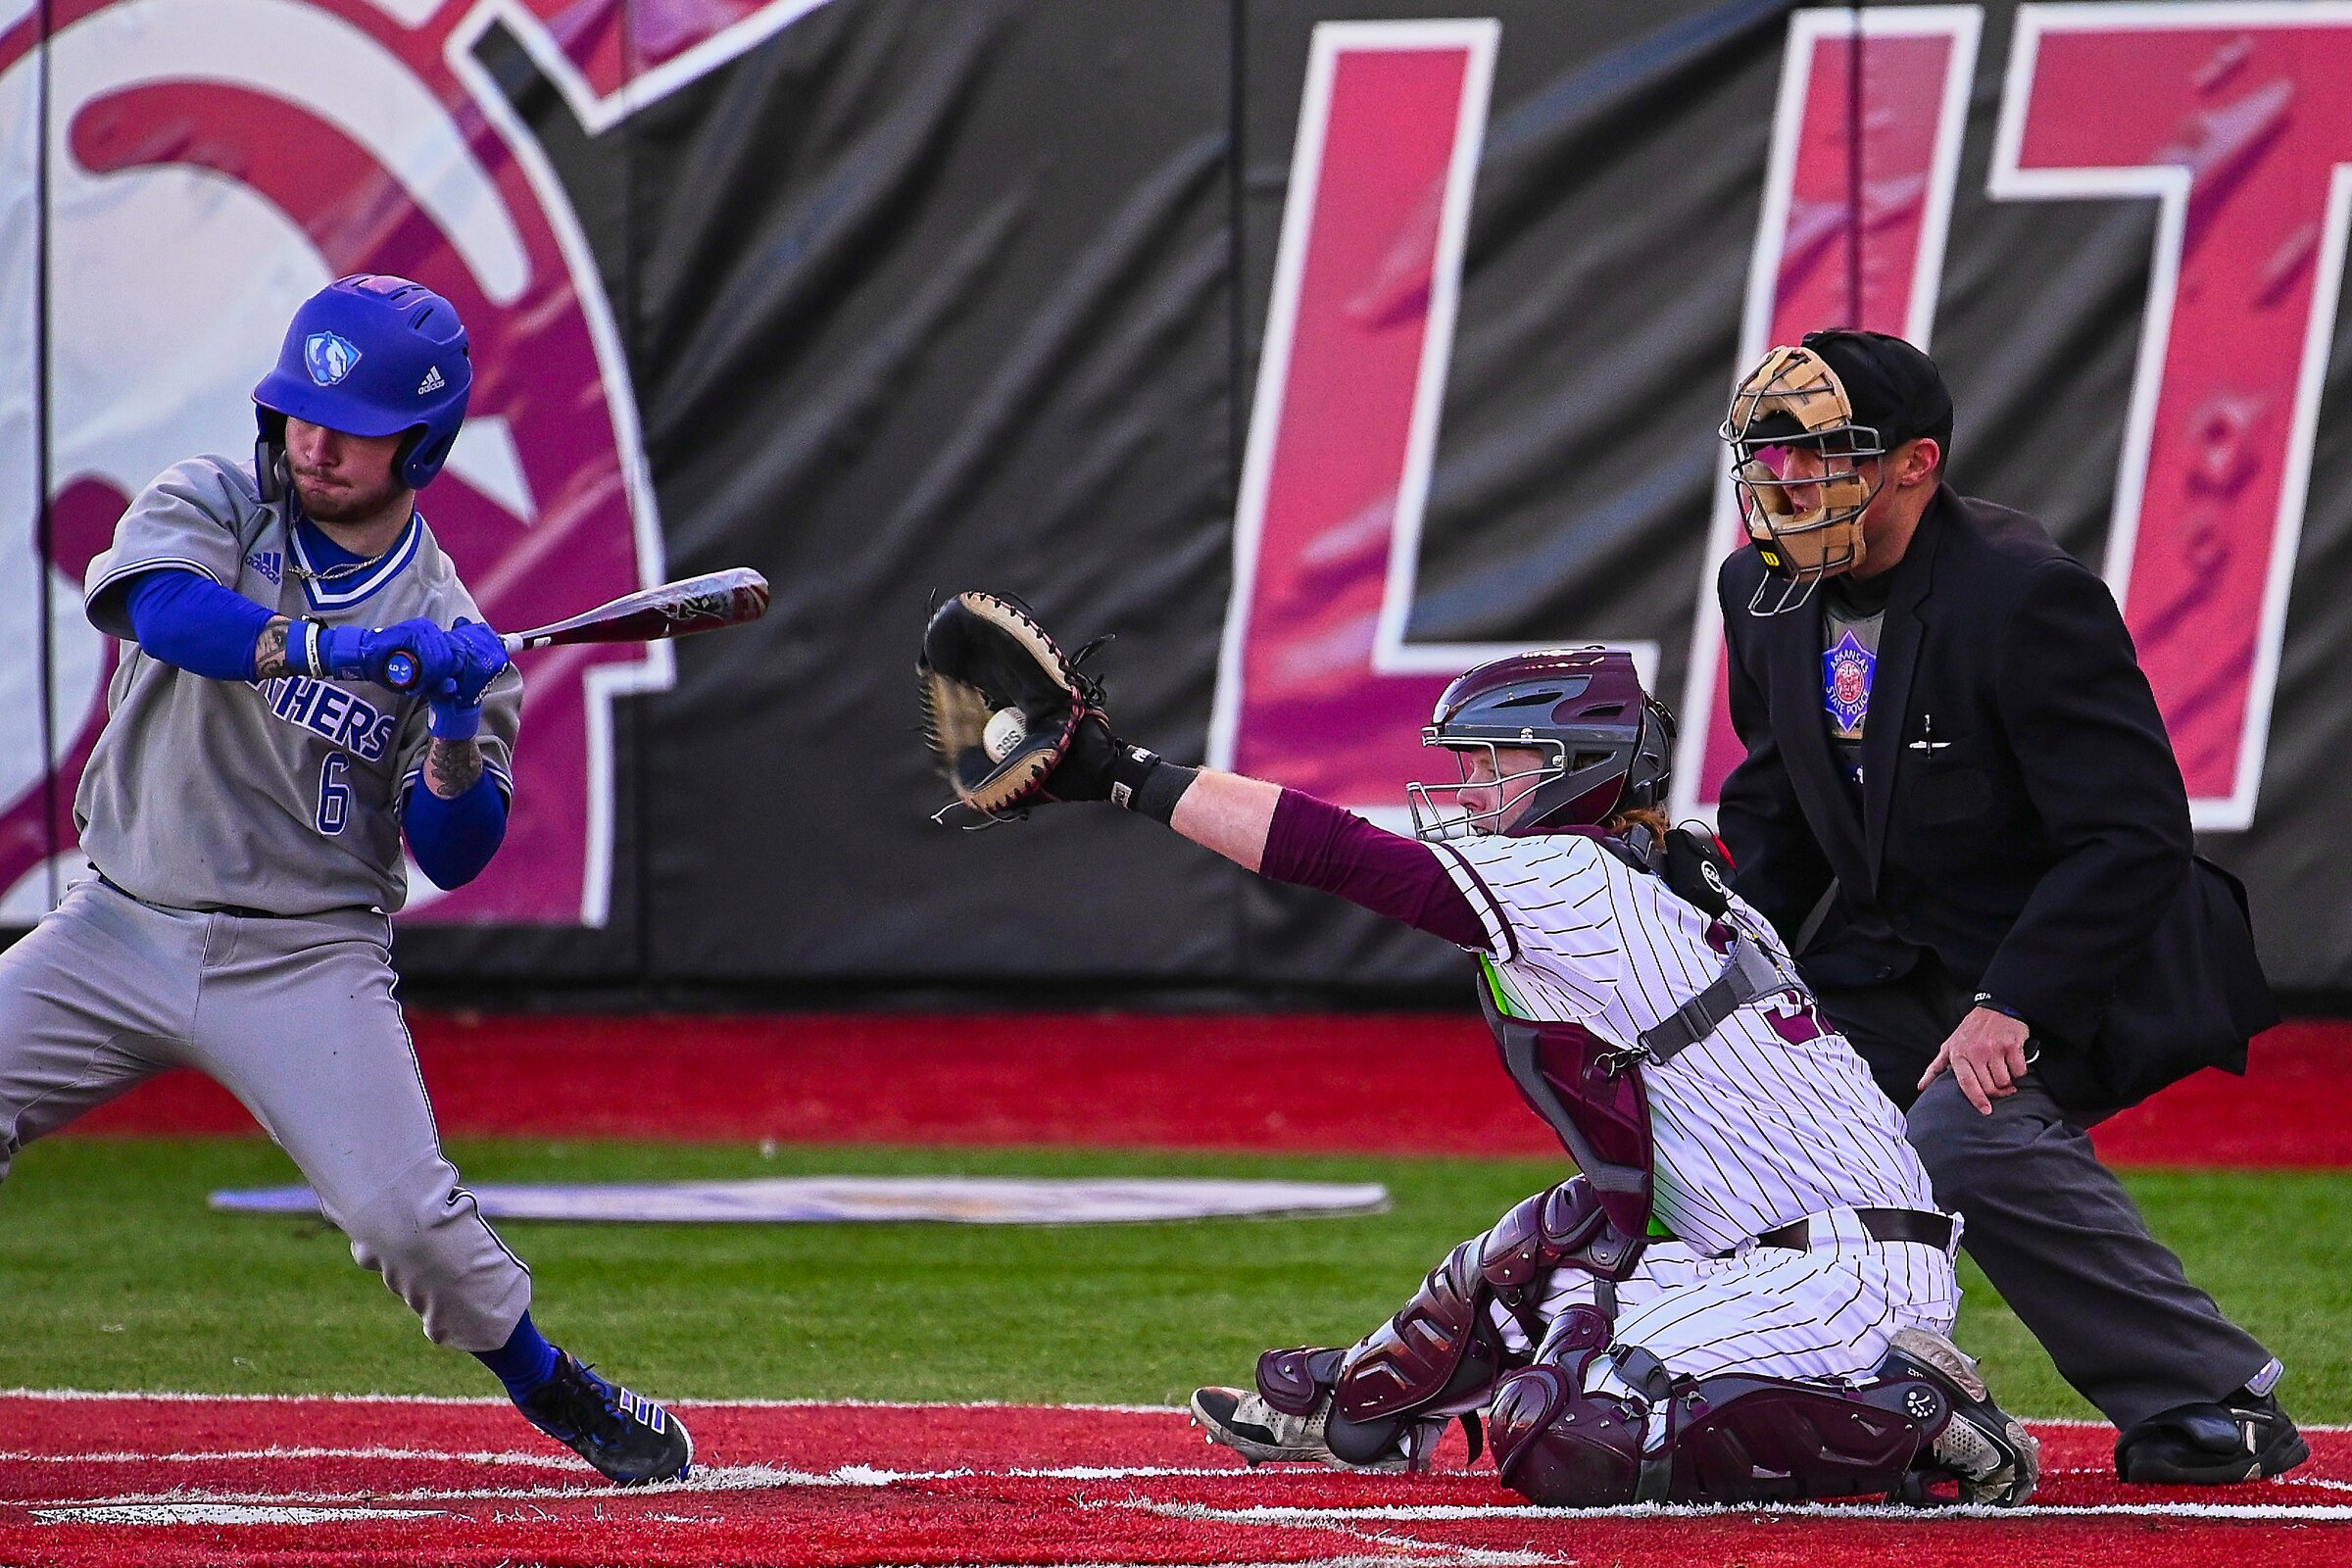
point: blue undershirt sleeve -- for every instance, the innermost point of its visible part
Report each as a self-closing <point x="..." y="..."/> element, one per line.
<point x="454" y="839"/>
<point x="187" y="620"/>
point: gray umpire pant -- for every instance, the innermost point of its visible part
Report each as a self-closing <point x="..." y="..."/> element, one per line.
<point x="2049" y="1225"/>
<point x="296" y="1017"/>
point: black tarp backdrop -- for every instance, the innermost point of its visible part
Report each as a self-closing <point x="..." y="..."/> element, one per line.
<point x="920" y="296"/>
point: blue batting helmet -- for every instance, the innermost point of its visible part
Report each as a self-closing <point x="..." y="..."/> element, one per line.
<point x="374" y="355"/>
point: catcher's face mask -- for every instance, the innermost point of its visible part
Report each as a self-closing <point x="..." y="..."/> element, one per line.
<point x="1797" y="460"/>
<point x="1490" y="790"/>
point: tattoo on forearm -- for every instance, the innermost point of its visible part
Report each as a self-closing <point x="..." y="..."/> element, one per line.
<point x="452" y="767"/>
<point x="269" y="650"/>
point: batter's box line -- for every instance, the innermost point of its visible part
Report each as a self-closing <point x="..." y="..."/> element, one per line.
<point x="707" y="1479"/>
<point x="218" y="1514"/>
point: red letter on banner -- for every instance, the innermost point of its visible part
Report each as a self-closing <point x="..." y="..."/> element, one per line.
<point x="1819" y="221"/>
<point x="1314" y="688"/>
<point x="2238" y="120"/>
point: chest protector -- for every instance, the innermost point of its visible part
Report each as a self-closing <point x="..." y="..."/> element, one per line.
<point x="1591" y="1093"/>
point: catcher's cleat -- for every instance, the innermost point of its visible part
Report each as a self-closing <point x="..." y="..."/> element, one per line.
<point x="2245" y="1436"/>
<point x="1242" y="1420"/>
<point x="626" y="1436"/>
<point x="1985" y="1449"/>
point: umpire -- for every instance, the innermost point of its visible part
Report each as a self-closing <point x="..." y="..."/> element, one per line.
<point x="1960" y="806"/>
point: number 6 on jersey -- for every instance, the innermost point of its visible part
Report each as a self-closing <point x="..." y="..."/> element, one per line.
<point x="334" y="796"/>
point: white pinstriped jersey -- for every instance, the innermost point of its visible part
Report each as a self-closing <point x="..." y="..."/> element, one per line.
<point x="1771" y="1118"/>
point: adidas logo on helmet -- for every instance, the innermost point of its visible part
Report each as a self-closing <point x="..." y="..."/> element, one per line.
<point x="432" y="381"/>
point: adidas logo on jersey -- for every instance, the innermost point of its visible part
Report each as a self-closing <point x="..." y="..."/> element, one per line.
<point x="268" y="563"/>
<point x="432" y="381"/>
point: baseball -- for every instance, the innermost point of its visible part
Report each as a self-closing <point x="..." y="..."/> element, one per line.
<point x="1006" y="730"/>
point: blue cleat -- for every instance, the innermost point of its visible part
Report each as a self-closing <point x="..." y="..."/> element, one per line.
<point x="627" y="1437"/>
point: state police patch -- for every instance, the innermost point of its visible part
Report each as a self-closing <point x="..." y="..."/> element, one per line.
<point x="329" y="356"/>
<point x="1846" y="673"/>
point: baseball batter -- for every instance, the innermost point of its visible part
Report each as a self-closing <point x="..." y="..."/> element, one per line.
<point x="244" y="810"/>
<point x="1745" y="1293"/>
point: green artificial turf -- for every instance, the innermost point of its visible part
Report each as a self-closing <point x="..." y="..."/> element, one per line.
<point x="114" y="1275"/>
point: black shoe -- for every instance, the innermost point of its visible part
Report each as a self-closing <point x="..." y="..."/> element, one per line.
<point x="2246" y="1436"/>
<point x="626" y="1436"/>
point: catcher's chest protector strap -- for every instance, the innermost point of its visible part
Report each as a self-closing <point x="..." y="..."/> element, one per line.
<point x="1578" y="1084"/>
<point x="1750" y="976"/>
<point x="1694" y="869"/>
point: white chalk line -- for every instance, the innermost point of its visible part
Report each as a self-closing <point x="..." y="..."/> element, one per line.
<point x="206" y="1513"/>
<point x="183" y="1509"/>
<point x="704" y="1479"/>
<point x="725" y="1479"/>
<point x="545" y="1461"/>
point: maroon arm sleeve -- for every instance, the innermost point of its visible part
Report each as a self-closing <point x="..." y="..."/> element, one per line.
<point x="1316" y="845"/>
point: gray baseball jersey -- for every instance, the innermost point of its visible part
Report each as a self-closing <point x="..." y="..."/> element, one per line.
<point x="278" y="794"/>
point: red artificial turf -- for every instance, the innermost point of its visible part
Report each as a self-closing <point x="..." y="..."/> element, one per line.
<point x="1376" y="1083"/>
<point x="821" y="1485"/>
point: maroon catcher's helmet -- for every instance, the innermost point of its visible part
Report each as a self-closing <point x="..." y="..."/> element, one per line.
<point x="1606" y="743"/>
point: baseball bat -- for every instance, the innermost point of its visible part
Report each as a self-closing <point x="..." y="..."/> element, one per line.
<point x="675" y="609"/>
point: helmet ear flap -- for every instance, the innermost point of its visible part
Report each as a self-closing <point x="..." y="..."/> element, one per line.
<point x="1651" y="767"/>
<point x="420" y="457"/>
<point x="269" y="455"/>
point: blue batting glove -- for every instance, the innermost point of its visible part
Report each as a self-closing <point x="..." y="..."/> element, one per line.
<point x="477" y="656"/>
<point x="348" y="653"/>
<point x="312" y="648"/>
<point x="432" y="659"/>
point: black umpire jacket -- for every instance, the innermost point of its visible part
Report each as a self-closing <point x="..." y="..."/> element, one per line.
<point x="2022" y="815"/>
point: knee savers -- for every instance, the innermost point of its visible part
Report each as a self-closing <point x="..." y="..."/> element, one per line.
<point x="1441" y="1356"/>
<point x="1727" y="1438"/>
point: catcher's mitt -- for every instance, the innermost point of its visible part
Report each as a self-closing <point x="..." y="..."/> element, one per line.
<point x="984" y="654"/>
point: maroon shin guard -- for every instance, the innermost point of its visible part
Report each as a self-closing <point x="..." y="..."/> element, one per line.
<point x="1730" y="1439"/>
<point x="1553" y="1442"/>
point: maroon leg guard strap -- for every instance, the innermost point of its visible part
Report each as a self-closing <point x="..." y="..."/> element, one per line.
<point x="1406" y="1364"/>
<point x="1295" y="1381"/>
<point x="1441" y="1354"/>
<point x="1769" y="1440"/>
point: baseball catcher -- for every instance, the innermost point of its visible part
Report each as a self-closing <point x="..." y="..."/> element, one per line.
<point x="1744" y="1296"/>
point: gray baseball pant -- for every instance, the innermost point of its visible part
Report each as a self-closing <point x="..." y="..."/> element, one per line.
<point x="295" y="1017"/>
<point x="2049" y="1224"/>
<point x="2070" y="1252"/>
